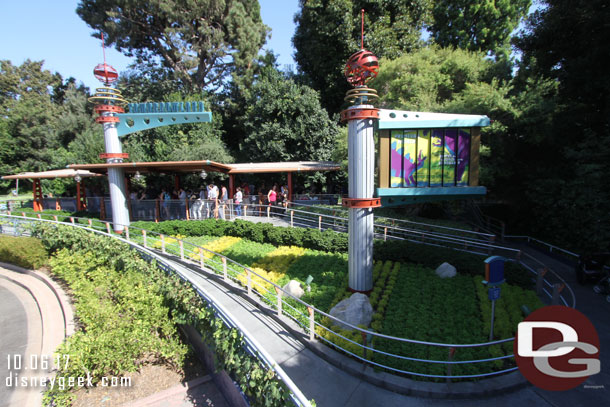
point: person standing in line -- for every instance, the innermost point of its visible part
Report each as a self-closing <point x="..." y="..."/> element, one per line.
<point x="238" y="198"/>
<point x="224" y="197"/>
<point x="182" y="199"/>
<point x="272" y="198"/>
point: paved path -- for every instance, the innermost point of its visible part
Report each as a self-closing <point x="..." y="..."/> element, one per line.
<point x="330" y="386"/>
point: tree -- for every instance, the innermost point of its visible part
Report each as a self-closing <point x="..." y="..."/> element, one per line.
<point x="328" y="32"/>
<point x="477" y="25"/>
<point x="565" y="43"/>
<point x="199" y="41"/>
<point x="284" y="121"/>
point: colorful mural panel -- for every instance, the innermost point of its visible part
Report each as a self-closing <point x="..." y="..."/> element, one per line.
<point x="423" y="158"/>
<point x="463" y="164"/>
<point x="436" y="158"/>
<point x="409" y="154"/>
<point x="449" y="157"/>
<point x="396" y="157"/>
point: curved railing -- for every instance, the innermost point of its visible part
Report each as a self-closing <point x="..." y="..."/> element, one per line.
<point x="252" y="346"/>
<point x="301" y="312"/>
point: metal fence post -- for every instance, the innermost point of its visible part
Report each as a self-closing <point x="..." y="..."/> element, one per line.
<point x="144" y="238"/>
<point x="451" y="353"/>
<point x="268" y="211"/>
<point x="224" y="268"/>
<point x="127" y="233"/>
<point x="71" y="220"/>
<point x="311" y="324"/>
<point x="320" y="223"/>
<point x="162" y="244"/>
<point x="291" y="219"/>
<point x="385" y="233"/>
<point x="54" y="217"/>
<point x="181" y="244"/>
<point x="108" y="227"/>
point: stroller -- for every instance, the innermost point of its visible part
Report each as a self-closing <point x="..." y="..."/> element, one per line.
<point x="595" y="267"/>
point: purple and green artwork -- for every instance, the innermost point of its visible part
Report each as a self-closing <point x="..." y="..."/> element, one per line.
<point x="429" y="158"/>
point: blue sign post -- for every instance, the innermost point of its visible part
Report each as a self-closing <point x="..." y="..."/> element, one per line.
<point x="494" y="276"/>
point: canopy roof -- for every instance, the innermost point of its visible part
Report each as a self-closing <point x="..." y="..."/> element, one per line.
<point x="65" y="173"/>
<point x="195" y="166"/>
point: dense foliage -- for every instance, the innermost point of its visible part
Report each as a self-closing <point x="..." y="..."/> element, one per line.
<point x="121" y="295"/>
<point x="198" y="42"/>
<point x="26" y="252"/>
<point x="328" y="32"/>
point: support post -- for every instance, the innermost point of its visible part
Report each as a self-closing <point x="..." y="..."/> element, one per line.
<point x="278" y="292"/>
<point x="38" y="206"/>
<point x="289" y="176"/>
<point x="312" y="324"/>
<point x="224" y="269"/>
<point x="231" y="185"/>
<point x="361" y="166"/>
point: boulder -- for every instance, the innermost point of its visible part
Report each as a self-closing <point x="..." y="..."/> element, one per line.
<point x="356" y="310"/>
<point x="446" y="270"/>
<point x="294" y="288"/>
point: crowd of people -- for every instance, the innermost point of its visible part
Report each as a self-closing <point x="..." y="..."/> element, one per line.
<point x="212" y="201"/>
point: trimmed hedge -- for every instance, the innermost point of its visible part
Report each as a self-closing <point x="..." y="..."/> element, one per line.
<point x="26" y="252"/>
<point x="330" y="241"/>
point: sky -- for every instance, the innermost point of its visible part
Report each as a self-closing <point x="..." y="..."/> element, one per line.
<point x="53" y="32"/>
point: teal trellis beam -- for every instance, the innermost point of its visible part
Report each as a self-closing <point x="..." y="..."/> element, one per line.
<point x="144" y="116"/>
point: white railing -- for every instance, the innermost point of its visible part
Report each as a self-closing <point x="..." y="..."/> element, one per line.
<point x="306" y="316"/>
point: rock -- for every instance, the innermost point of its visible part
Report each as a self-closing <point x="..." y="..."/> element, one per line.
<point x="356" y="310"/>
<point x="294" y="288"/>
<point x="446" y="270"/>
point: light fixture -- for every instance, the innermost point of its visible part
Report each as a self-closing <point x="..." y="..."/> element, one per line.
<point x="78" y="178"/>
<point x="138" y="176"/>
<point x="203" y="174"/>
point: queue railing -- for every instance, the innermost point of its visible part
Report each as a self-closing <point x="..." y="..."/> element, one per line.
<point x="304" y="314"/>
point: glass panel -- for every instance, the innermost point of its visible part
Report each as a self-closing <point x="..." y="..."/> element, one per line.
<point x="423" y="158"/>
<point x="463" y="165"/>
<point x="396" y="172"/>
<point x="449" y="158"/>
<point x="436" y="157"/>
<point x="409" y="146"/>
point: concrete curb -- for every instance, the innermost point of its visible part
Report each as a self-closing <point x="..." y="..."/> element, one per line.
<point x="459" y="390"/>
<point x="63" y="299"/>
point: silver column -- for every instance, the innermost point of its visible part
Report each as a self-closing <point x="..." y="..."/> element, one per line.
<point x="116" y="178"/>
<point x="361" y="166"/>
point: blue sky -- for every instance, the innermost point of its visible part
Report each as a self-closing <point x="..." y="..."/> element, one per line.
<point x="51" y="31"/>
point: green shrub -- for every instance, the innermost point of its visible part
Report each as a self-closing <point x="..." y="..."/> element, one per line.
<point x="26" y="252"/>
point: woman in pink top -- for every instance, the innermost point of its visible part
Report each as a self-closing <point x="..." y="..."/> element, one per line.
<point x="272" y="198"/>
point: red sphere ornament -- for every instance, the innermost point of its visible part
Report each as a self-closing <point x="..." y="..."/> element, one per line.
<point x="361" y="67"/>
<point x="105" y="73"/>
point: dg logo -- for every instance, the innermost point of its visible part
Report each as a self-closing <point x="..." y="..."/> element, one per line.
<point x="557" y="348"/>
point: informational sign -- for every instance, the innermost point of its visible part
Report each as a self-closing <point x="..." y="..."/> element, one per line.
<point x="494" y="270"/>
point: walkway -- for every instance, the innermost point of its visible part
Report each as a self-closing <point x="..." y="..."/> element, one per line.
<point x="330" y="386"/>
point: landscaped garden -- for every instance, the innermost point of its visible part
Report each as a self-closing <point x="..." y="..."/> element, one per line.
<point x="409" y="299"/>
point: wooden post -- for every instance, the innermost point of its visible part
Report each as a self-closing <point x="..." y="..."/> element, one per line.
<point x="289" y="176"/>
<point x="37" y="190"/>
<point x="79" y="202"/>
<point x="231" y="185"/>
<point x="102" y="208"/>
<point x="557" y="288"/>
<point x="311" y="324"/>
<point x="278" y="292"/>
<point x="224" y="268"/>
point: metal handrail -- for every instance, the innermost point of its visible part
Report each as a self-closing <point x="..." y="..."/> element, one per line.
<point x="550" y="246"/>
<point x="364" y="331"/>
<point x="254" y="346"/>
